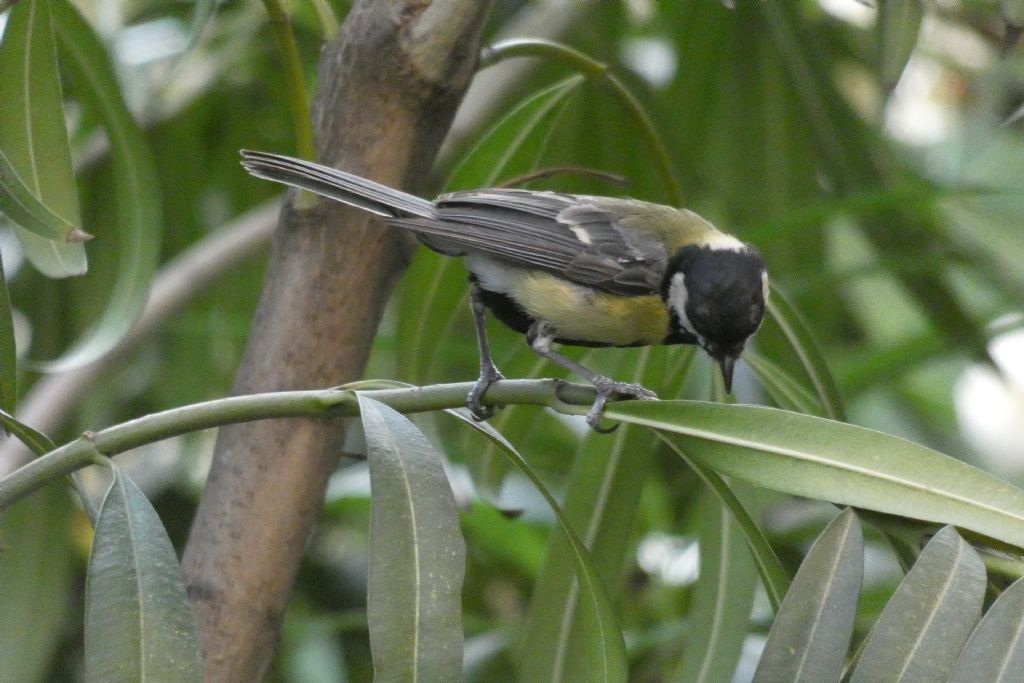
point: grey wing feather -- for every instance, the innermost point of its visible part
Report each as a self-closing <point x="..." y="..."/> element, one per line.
<point x="567" y="235"/>
<point x="562" y="234"/>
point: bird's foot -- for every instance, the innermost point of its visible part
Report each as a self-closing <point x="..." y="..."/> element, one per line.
<point x="489" y="374"/>
<point x="607" y="388"/>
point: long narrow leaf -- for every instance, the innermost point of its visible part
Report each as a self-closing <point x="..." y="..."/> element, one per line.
<point x="37" y="576"/>
<point x="723" y="597"/>
<point x="36" y="441"/>
<point x="513" y="144"/>
<point x="602" y="507"/>
<point x="845" y="464"/>
<point x="898" y="24"/>
<point x="605" y="649"/>
<point x="34" y="139"/>
<point x="811" y="633"/>
<point x="601" y="501"/>
<point x="417" y="554"/>
<point x="139" y="224"/>
<point x="843" y="144"/>
<point x="773" y="574"/>
<point x="785" y="391"/>
<point x="25" y="209"/>
<point x="802" y="342"/>
<point x="926" y="623"/>
<point x="138" y="624"/>
<point x="8" y="349"/>
<point x="995" y="651"/>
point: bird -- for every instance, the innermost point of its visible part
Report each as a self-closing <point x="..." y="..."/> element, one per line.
<point x="570" y="269"/>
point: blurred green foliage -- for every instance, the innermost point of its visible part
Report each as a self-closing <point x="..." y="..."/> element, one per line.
<point x="895" y="231"/>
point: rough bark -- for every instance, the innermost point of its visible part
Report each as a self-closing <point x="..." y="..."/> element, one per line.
<point x="388" y="88"/>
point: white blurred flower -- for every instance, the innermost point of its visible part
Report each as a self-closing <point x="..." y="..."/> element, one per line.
<point x="990" y="405"/>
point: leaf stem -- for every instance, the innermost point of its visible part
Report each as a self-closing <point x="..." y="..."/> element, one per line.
<point x="597" y="71"/>
<point x="298" y="99"/>
<point x="92" y="447"/>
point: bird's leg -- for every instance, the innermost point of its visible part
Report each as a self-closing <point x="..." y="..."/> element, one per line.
<point x="489" y="373"/>
<point x="541" y="336"/>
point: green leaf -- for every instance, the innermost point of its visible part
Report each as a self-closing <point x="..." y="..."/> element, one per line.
<point x="723" y="596"/>
<point x="34" y="139"/>
<point x="841" y="463"/>
<point x="36" y="579"/>
<point x="602" y="500"/>
<point x="926" y="623"/>
<point x="138" y="624"/>
<point x="417" y="555"/>
<point x="773" y="574"/>
<point x="37" y="442"/>
<point x="800" y="339"/>
<point x="605" y="649"/>
<point x="995" y="651"/>
<point x="8" y="349"/>
<point x="603" y="492"/>
<point x="490" y="466"/>
<point x="811" y="633"/>
<point x="785" y="391"/>
<point x="139" y="224"/>
<point x="898" y="24"/>
<point x="846" y="152"/>
<point x="24" y="208"/>
<point x="514" y="144"/>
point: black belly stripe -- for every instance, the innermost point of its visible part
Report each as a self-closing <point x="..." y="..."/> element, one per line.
<point x="505" y="309"/>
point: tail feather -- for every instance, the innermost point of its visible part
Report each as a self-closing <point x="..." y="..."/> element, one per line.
<point x="344" y="187"/>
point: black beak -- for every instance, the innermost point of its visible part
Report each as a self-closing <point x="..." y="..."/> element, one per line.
<point x="727" y="364"/>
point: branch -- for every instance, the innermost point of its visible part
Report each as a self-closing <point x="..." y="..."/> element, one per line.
<point x="566" y="398"/>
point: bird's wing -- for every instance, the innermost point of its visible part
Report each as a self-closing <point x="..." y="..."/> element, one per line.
<point x="575" y="237"/>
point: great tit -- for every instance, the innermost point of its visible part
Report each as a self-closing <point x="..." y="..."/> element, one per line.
<point x="570" y="269"/>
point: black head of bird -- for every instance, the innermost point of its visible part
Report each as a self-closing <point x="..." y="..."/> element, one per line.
<point x="718" y="292"/>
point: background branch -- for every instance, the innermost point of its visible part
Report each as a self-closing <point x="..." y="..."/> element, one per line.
<point x="52" y="400"/>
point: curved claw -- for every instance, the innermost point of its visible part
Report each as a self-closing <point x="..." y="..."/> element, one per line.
<point x="610" y="387"/>
<point x="606" y="388"/>
<point x="595" y="424"/>
<point x="477" y="409"/>
<point x="594" y="414"/>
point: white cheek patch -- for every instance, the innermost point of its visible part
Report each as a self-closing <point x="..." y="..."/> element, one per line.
<point x="581" y="234"/>
<point x="677" y="296"/>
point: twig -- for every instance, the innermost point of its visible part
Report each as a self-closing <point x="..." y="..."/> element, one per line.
<point x="570" y="399"/>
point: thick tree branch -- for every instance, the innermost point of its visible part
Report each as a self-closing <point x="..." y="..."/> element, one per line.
<point x="389" y="86"/>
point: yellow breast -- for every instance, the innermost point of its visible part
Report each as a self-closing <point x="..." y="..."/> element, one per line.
<point x="584" y="314"/>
